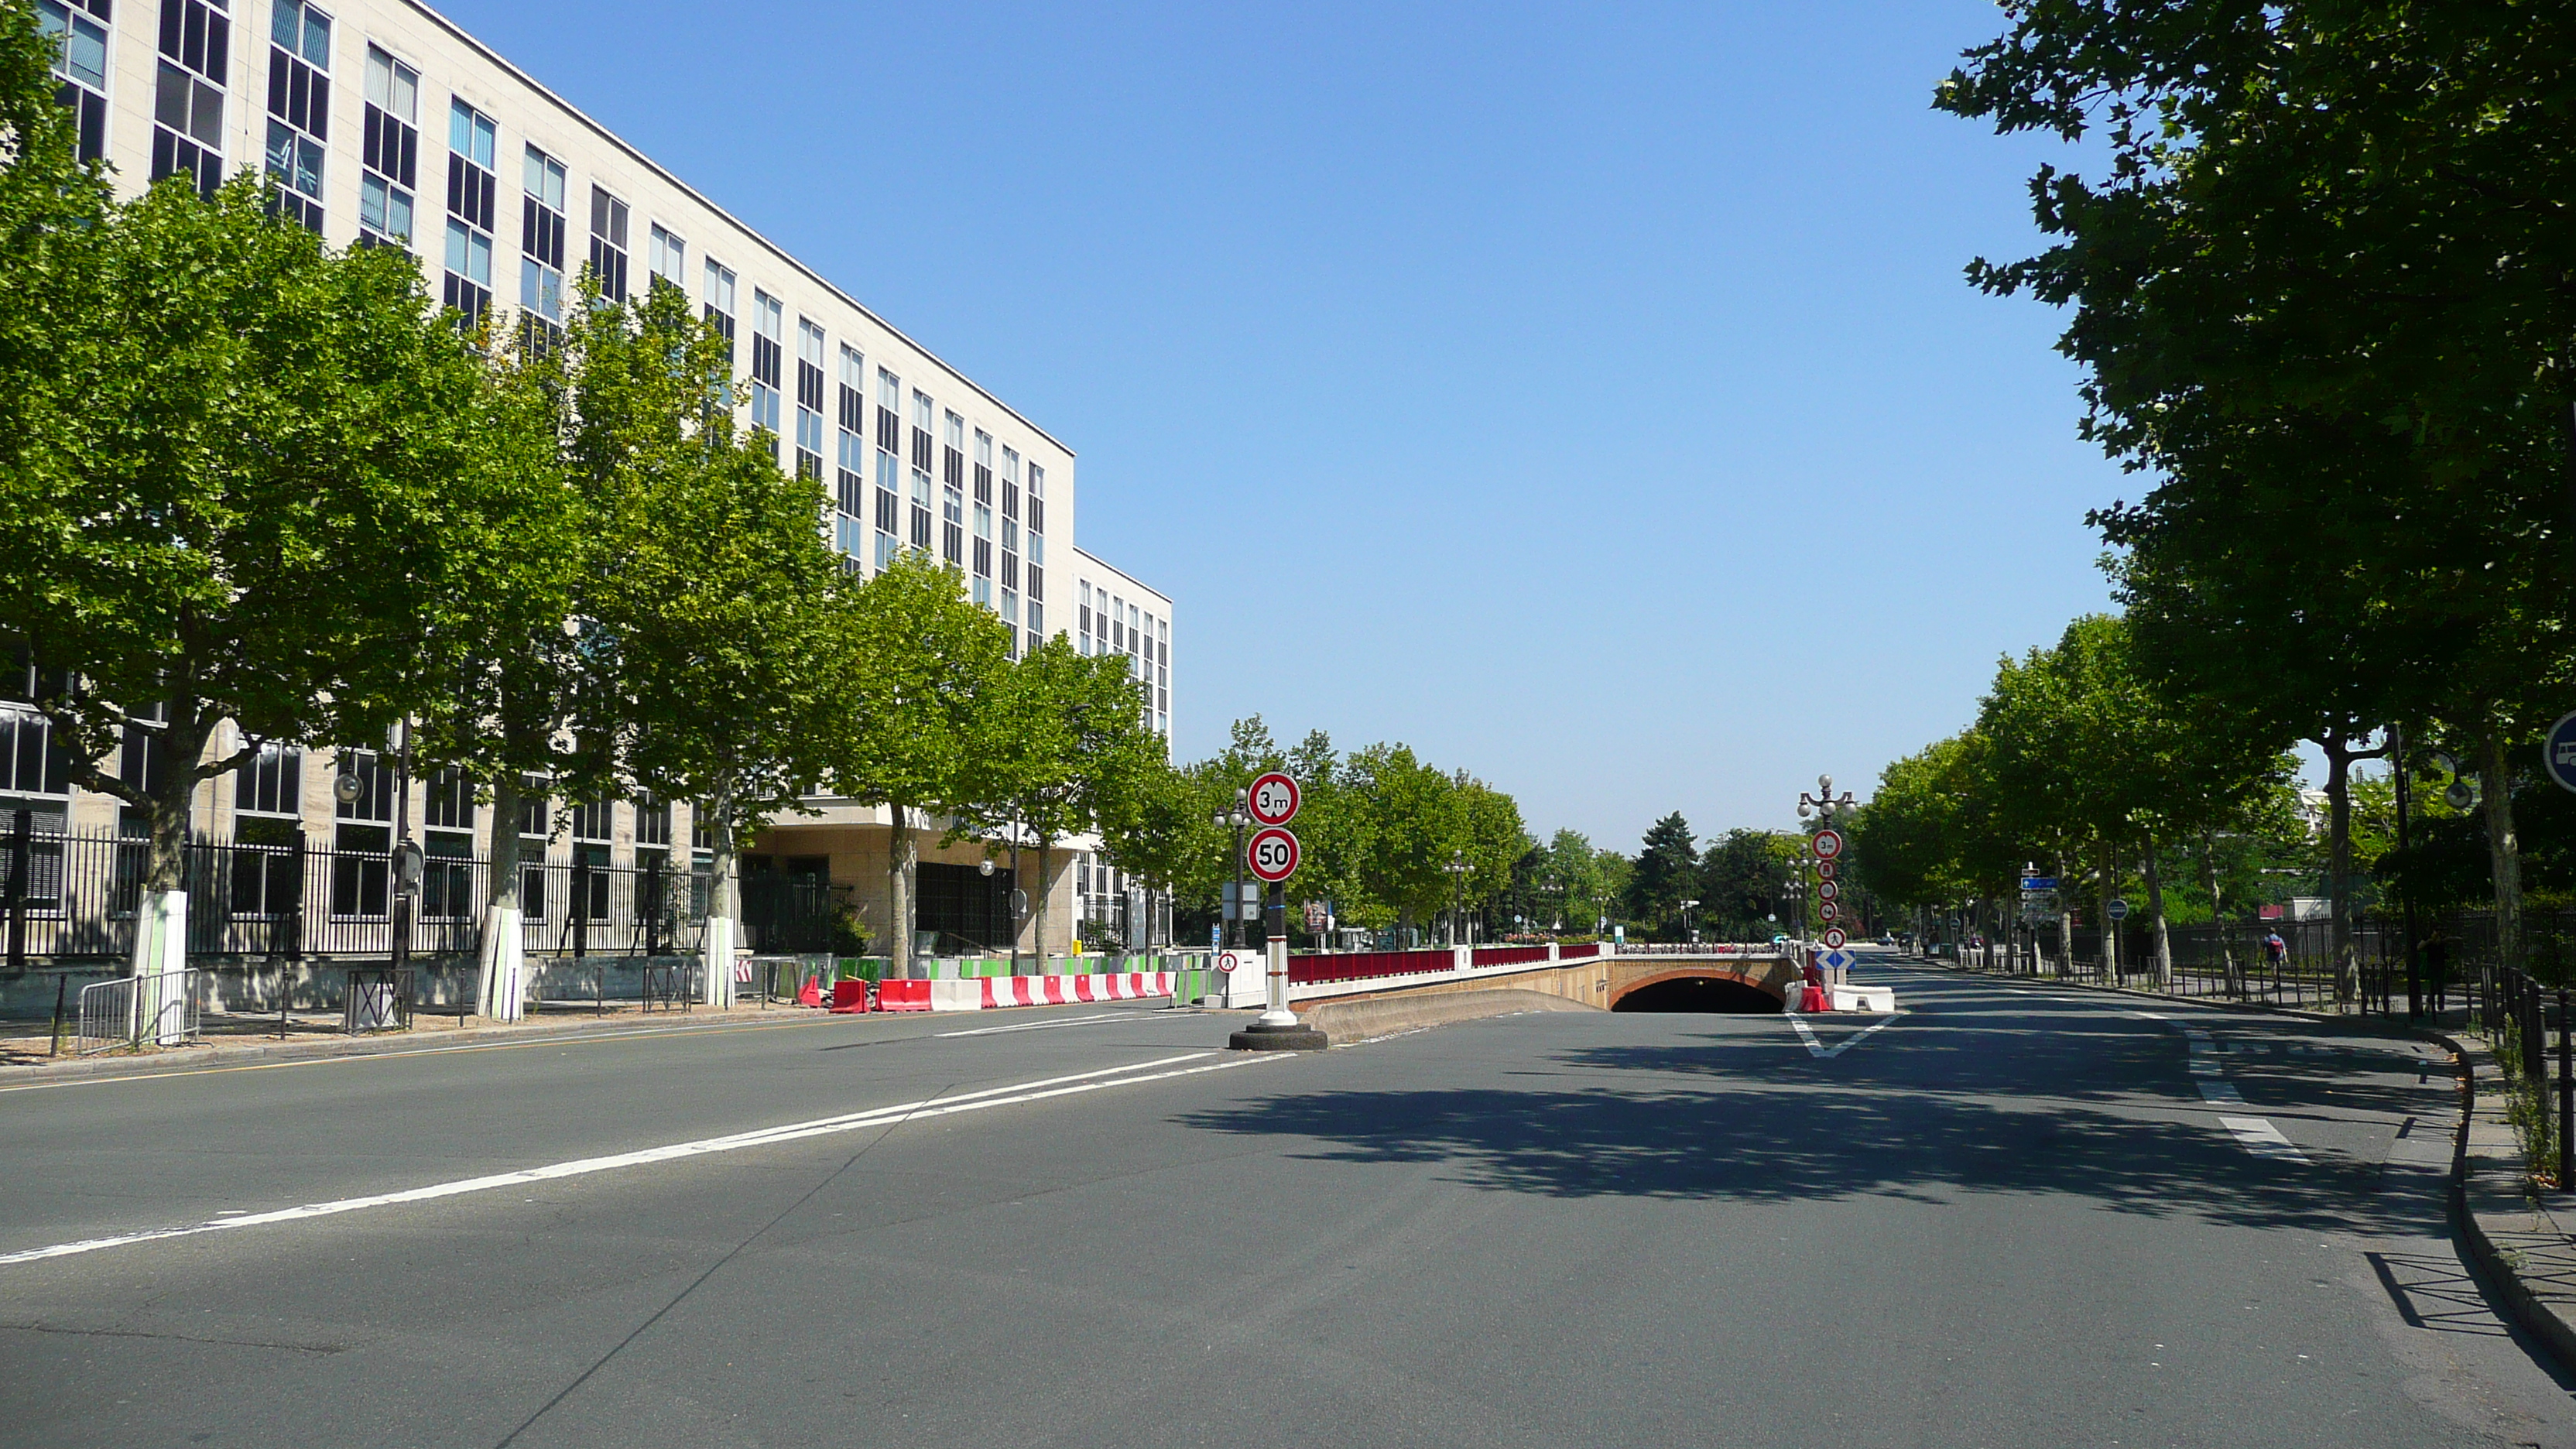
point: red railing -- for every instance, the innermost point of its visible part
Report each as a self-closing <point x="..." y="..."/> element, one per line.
<point x="1364" y="965"/>
<point x="1509" y="955"/>
<point x="1577" y="953"/>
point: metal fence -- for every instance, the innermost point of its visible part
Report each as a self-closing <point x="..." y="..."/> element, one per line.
<point x="131" y="1010"/>
<point x="2234" y="960"/>
<point x="74" y="896"/>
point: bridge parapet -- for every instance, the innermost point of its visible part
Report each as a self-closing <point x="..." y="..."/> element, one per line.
<point x="1598" y="980"/>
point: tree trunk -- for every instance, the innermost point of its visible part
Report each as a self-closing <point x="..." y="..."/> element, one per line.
<point x="900" y="855"/>
<point x="2156" y="911"/>
<point x="161" y="909"/>
<point x="2217" y="918"/>
<point x="2065" y="918"/>
<point x="2504" y="846"/>
<point x="503" y="954"/>
<point x="1046" y="849"/>
<point x="2106" y="873"/>
<point x="2339" y="860"/>
<point x="724" y="901"/>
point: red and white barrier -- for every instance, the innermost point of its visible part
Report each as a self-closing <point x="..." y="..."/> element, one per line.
<point x="983" y="993"/>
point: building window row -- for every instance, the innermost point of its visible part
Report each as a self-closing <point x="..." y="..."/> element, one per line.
<point x="389" y="176"/>
<point x="79" y="28"/>
<point x="299" y="109"/>
<point x="188" y="101"/>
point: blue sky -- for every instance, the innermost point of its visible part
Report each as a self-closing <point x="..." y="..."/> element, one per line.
<point x="1585" y="395"/>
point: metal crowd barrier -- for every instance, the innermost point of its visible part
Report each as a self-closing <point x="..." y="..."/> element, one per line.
<point x="130" y="1010"/>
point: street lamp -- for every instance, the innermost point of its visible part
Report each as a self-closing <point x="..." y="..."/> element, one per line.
<point x="1691" y="935"/>
<point x="1457" y="868"/>
<point x="1238" y="817"/>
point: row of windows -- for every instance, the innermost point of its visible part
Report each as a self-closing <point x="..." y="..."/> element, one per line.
<point x="1107" y="624"/>
<point x="993" y="548"/>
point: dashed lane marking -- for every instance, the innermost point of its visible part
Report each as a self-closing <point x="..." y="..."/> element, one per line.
<point x="1102" y="1019"/>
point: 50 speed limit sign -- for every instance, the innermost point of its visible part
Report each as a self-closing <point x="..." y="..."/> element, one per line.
<point x="1273" y="799"/>
<point x="1273" y="854"/>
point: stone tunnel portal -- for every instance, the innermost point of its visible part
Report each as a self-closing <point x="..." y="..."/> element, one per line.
<point x="1698" y="990"/>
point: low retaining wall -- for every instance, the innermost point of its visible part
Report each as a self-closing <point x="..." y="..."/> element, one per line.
<point x="259" y="988"/>
<point x="1344" y="1022"/>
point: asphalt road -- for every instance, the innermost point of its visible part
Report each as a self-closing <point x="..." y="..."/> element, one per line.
<point x="2012" y="1217"/>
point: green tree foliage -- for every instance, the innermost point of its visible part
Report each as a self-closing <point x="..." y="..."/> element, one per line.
<point x="716" y="631"/>
<point x="2320" y="294"/>
<point x="923" y="665"/>
<point x="1666" y="874"/>
<point x="52" y="214"/>
<point x="1064" y="751"/>
<point x="268" y="509"/>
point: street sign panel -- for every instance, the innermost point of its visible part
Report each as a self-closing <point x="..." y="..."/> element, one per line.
<point x="1827" y="870"/>
<point x="2119" y="909"/>
<point x="1834" y="938"/>
<point x="1828" y="889"/>
<point x="1835" y="960"/>
<point x="2559" y="753"/>
<point x="1273" y="854"/>
<point x="1829" y="844"/>
<point x="2039" y="882"/>
<point x="1273" y="799"/>
<point x="1828" y="910"/>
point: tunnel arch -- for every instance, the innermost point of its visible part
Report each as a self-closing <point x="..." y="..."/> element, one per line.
<point x="1698" y="988"/>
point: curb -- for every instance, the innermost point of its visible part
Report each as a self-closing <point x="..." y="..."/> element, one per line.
<point x="228" y="1053"/>
<point x="2515" y="1242"/>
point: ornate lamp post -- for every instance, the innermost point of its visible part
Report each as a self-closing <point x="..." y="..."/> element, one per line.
<point x="1238" y="817"/>
<point x="1457" y="868"/>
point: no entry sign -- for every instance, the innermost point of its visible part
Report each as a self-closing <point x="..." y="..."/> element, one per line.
<point x="1273" y="800"/>
<point x="1273" y="854"/>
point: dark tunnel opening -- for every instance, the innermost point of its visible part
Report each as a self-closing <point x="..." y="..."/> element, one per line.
<point x="1698" y="993"/>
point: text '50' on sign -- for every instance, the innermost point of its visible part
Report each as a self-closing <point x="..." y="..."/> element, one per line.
<point x="1273" y="854"/>
<point x="1273" y="799"/>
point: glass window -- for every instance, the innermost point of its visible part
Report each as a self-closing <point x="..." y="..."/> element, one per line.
<point x="545" y="179"/>
<point x="392" y="87"/>
<point x="469" y="253"/>
<point x="472" y="135"/>
<point x="670" y="257"/>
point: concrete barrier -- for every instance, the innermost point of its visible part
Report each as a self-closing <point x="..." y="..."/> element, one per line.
<point x="1345" y="1022"/>
<point x="907" y="995"/>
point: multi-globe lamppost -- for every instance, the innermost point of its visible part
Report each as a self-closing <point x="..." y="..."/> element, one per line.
<point x="1238" y="817"/>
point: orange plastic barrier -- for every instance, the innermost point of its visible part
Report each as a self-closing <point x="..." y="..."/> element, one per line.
<point x="811" y="993"/>
<point x="849" y="997"/>
<point x="903" y="996"/>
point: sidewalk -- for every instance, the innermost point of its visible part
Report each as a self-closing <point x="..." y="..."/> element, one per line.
<point x="237" y="1040"/>
<point x="2519" y="1239"/>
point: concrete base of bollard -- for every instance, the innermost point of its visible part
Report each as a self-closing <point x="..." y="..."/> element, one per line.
<point x="1278" y="1039"/>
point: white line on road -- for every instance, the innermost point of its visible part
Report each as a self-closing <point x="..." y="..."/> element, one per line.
<point x="1106" y="1016"/>
<point x="762" y="1137"/>
<point x="1817" y="1048"/>
<point x="2262" y="1138"/>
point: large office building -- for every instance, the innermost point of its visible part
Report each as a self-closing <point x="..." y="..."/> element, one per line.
<point x="381" y="123"/>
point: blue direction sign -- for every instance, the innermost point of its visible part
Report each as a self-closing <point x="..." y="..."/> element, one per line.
<point x="2559" y="754"/>
<point x="1836" y="960"/>
<point x="2039" y="882"/>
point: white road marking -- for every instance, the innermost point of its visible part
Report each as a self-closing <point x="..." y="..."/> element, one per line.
<point x="2258" y="1135"/>
<point x="1045" y="1025"/>
<point x="1817" y="1048"/>
<point x="900" y="1112"/>
<point x="2262" y="1138"/>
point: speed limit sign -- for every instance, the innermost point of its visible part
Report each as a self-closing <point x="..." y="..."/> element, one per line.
<point x="1273" y="799"/>
<point x="1273" y="854"/>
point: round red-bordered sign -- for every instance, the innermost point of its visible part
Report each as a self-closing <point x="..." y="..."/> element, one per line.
<point x="1829" y="844"/>
<point x="1271" y="854"/>
<point x="1829" y="889"/>
<point x="1834" y="938"/>
<point x="1273" y="799"/>
<point x="1826" y="869"/>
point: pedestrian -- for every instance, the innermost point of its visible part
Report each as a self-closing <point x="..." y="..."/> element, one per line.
<point x="2276" y="951"/>
<point x="2437" y="967"/>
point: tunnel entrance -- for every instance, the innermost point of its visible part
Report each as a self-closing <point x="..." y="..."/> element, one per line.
<point x="1698" y="993"/>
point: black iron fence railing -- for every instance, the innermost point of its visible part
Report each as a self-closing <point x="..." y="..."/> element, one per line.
<point x="74" y="896"/>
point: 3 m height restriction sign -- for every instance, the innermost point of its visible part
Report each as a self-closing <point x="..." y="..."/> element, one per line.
<point x="1273" y="799"/>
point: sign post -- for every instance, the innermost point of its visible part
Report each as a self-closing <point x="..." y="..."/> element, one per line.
<point x="1272" y="855"/>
